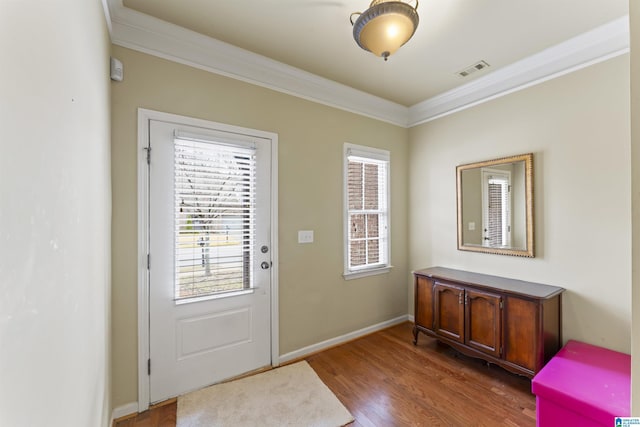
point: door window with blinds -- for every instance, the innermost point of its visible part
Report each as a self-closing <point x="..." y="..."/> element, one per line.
<point x="496" y="207"/>
<point x="366" y="201"/>
<point x="214" y="190"/>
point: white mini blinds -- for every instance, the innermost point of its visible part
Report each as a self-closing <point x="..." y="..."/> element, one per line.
<point x="214" y="189"/>
<point x="366" y="210"/>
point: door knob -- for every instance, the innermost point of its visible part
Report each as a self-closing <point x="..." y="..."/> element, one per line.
<point x="265" y="265"/>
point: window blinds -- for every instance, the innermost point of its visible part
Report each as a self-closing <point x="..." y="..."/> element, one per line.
<point x="214" y="188"/>
<point x="367" y="211"/>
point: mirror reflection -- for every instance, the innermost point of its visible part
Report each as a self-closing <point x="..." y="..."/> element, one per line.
<point x="495" y="206"/>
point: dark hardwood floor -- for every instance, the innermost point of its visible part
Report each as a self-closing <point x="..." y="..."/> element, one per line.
<point x="384" y="380"/>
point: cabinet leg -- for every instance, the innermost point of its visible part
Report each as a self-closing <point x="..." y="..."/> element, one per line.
<point x="415" y="335"/>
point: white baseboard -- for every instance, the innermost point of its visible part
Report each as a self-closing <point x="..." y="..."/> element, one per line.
<point x="314" y="348"/>
<point x="411" y="318"/>
<point x="124" y="410"/>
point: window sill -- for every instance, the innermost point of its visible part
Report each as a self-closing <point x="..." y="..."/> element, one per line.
<point x="217" y="295"/>
<point x="365" y="273"/>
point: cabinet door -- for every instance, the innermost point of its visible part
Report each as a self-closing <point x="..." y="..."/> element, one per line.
<point x="522" y="333"/>
<point x="449" y="311"/>
<point x="483" y="322"/>
<point x="424" y="302"/>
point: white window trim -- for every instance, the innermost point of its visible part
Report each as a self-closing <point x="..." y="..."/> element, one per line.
<point x="373" y="154"/>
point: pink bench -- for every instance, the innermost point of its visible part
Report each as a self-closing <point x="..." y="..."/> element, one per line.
<point x="583" y="385"/>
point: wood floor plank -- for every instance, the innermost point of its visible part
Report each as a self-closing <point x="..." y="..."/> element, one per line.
<point x="384" y="380"/>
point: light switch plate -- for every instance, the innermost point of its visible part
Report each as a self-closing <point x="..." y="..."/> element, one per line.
<point x="305" y="236"/>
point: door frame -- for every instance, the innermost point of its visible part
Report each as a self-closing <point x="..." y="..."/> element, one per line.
<point x="486" y="174"/>
<point x="144" y="116"/>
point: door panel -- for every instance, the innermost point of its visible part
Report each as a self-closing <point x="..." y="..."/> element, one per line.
<point x="209" y="215"/>
<point x="194" y="334"/>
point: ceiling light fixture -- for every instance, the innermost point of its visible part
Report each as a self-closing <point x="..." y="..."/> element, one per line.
<point x="385" y="26"/>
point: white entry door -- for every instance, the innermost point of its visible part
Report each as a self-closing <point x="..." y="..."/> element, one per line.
<point x="209" y="256"/>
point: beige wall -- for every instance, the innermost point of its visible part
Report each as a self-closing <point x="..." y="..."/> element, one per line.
<point x="472" y="206"/>
<point x="315" y="302"/>
<point x="578" y="127"/>
<point x="55" y="214"/>
<point x="634" y="18"/>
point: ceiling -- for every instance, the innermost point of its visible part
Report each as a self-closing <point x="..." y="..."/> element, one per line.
<point x="315" y="38"/>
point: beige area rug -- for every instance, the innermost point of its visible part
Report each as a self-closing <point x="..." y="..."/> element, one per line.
<point x="292" y="395"/>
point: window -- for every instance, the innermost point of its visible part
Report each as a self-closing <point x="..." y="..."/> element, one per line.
<point x="214" y="193"/>
<point x="366" y="201"/>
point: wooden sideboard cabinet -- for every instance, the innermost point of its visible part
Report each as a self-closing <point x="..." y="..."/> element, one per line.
<point x="511" y="323"/>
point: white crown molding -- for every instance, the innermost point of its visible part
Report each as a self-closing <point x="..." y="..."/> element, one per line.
<point x="602" y="43"/>
<point x="144" y="33"/>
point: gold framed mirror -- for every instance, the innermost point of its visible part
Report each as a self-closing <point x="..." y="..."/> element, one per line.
<point x="495" y="206"/>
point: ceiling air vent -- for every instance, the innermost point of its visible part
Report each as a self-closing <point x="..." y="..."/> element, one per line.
<point x="480" y="65"/>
